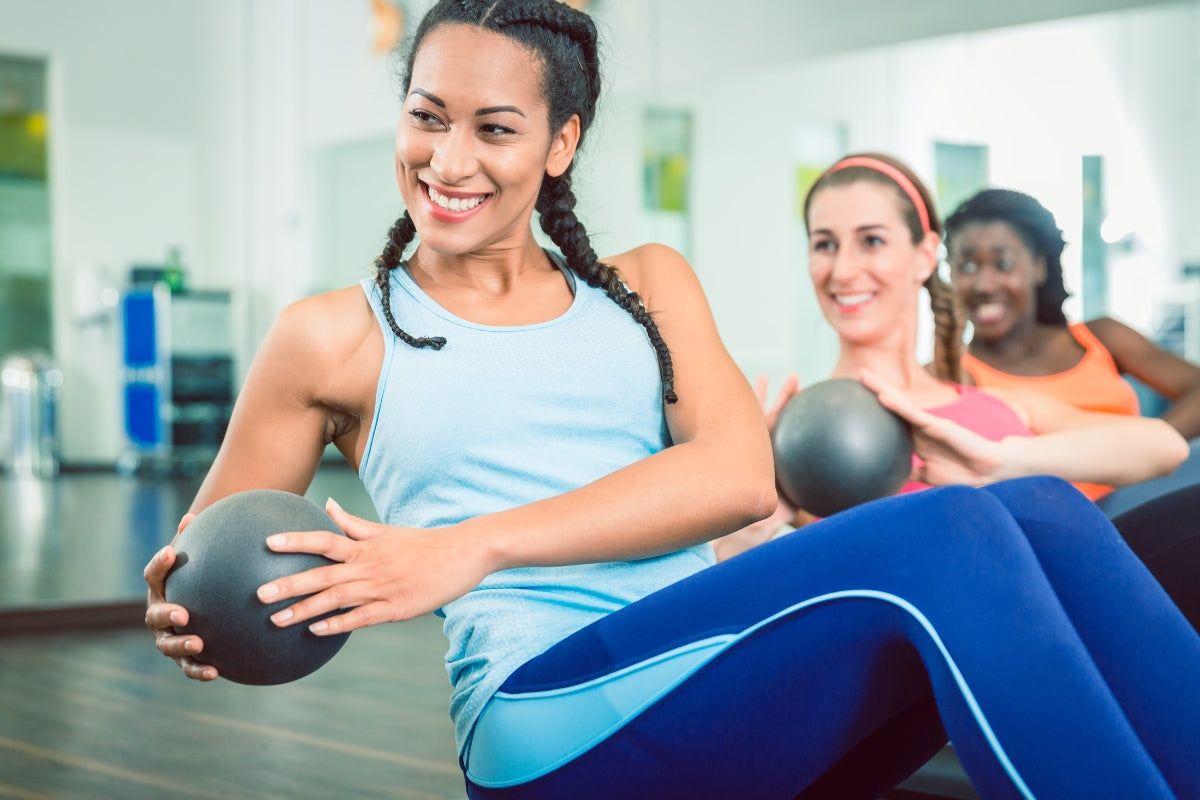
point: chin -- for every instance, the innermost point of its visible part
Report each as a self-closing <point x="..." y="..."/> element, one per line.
<point x="991" y="330"/>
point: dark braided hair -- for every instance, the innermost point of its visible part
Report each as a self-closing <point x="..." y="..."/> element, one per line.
<point x="949" y="318"/>
<point x="1036" y="227"/>
<point x="565" y="42"/>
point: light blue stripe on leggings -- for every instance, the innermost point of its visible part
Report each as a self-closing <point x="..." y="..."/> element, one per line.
<point x="555" y="726"/>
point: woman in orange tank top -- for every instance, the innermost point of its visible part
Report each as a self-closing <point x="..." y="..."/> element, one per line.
<point x="1005" y="252"/>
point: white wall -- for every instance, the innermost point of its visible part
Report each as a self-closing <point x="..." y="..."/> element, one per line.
<point x="144" y="102"/>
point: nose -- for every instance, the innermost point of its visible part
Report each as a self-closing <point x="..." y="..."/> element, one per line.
<point x="846" y="265"/>
<point x="983" y="282"/>
<point x="454" y="158"/>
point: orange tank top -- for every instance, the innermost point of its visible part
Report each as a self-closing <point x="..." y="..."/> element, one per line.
<point x="1094" y="384"/>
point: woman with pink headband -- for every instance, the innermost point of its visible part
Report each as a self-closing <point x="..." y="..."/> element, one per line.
<point x="867" y="279"/>
<point x="874" y="237"/>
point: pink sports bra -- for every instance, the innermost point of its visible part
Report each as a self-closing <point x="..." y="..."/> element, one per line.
<point x="979" y="412"/>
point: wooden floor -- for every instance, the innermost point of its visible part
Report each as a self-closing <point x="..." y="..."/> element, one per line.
<point x="89" y="710"/>
<point x="103" y="716"/>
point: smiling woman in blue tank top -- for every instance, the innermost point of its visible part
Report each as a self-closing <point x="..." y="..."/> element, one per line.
<point x="552" y="440"/>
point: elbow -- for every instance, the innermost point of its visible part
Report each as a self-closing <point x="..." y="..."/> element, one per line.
<point x="740" y="479"/>
<point x="761" y="503"/>
<point x="757" y="498"/>
<point x="1176" y="453"/>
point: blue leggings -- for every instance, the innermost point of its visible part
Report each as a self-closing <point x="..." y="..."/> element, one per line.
<point x="834" y="661"/>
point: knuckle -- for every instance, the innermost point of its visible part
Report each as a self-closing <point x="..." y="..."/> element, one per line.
<point x="337" y="593"/>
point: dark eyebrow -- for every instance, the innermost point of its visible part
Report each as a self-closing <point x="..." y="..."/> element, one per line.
<point x="433" y="98"/>
<point x="483" y="112"/>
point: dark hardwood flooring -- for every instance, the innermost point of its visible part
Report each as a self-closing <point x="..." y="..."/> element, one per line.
<point x="101" y="715"/>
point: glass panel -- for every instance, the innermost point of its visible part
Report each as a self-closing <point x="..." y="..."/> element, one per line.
<point x="666" y="175"/>
<point x="1093" y="249"/>
<point x="24" y="208"/>
<point x="962" y="170"/>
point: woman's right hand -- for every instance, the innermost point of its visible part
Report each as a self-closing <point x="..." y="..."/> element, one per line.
<point x="791" y="388"/>
<point x="162" y="617"/>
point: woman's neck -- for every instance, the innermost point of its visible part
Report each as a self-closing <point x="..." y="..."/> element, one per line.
<point x="495" y="270"/>
<point x="1023" y="343"/>
<point x="518" y="286"/>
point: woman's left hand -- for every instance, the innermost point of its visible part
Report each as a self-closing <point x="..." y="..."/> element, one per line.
<point x="383" y="574"/>
<point x="951" y="453"/>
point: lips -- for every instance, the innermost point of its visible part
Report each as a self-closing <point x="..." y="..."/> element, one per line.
<point x="849" y="302"/>
<point x="447" y="206"/>
<point x="986" y="313"/>
<point x="455" y="202"/>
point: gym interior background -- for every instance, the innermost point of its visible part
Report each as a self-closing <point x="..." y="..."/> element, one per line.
<point x="236" y="155"/>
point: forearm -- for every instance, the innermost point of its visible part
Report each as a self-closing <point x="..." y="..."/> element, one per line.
<point x="1124" y="452"/>
<point x="1184" y="414"/>
<point x="687" y="494"/>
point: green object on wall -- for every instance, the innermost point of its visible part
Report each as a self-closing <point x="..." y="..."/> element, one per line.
<point x="666" y="159"/>
<point x="23" y="145"/>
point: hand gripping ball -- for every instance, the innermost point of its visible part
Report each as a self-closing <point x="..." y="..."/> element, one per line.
<point x="835" y="446"/>
<point x="222" y="558"/>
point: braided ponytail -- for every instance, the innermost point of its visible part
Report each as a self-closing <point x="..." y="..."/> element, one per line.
<point x="949" y="322"/>
<point x="556" y="205"/>
<point x="565" y="42"/>
<point x="401" y="233"/>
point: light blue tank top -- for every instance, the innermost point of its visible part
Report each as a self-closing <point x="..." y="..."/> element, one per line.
<point x="502" y="417"/>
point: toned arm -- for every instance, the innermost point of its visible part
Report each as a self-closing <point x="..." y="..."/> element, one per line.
<point x="1166" y="373"/>
<point x="312" y="382"/>
<point x="1078" y="446"/>
<point x="1090" y="447"/>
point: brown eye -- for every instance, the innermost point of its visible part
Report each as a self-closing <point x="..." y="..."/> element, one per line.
<point x="423" y="117"/>
<point x="494" y="129"/>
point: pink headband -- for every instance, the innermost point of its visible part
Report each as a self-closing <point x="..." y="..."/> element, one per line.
<point x="896" y="175"/>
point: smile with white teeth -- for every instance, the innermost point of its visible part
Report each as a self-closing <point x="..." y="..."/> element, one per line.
<point x="852" y="299"/>
<point x="988" y="312"/>
<point x="455" y="203"/>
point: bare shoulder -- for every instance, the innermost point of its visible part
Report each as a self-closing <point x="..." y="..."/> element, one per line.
<point x="328" y="347"/>
<point x="648" y="260"/>
<point x="332" y="324"/>
<point x="654" y="271"/>
<point x="1116" y="336"/>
